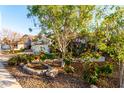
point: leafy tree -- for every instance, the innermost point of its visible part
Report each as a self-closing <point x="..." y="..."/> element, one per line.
<point x="107" y="36"/>
<point x="104" y="25"/>
<point x="112" y="42"/>
<point x="64" y="21"/>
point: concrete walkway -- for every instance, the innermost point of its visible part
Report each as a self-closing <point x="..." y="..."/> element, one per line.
<point x="6" y="79"/>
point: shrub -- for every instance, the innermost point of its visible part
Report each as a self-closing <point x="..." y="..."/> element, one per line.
<point x="69" y="69"/>
<point x="47" y="56"/>
<point x="16" y="60"/>
<point x="12" y="61"/>
<point x="24" y="58"/>
<point x="22" y="49"/>
<point x="67" y="61"/>
<point x="29" y="57"/>
<point x="106" y="69"/>
<point x="92" y="71"/>
<point x="54" y="49"/>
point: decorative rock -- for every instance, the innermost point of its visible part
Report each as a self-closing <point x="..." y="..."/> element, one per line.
<point x="28" y="70"/>
<point x="52" y="73"/>
<point x="43" y="72"/>
<point x="48" y="60"/>
<point x="35" y="62"/>
<point x="93" y="86"/>
<point x="21" y="64"/>
<point x="37" y="73"/>
<point x="57" y="62"/>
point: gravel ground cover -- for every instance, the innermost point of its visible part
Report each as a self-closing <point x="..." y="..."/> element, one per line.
<point x="63" y="80"/>
<point x="32" y="81"/>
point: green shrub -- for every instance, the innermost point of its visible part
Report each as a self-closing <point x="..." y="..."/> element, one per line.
<point x="16" y="60"/>
<point x="24" y="58"/>
<point x="29" y="57"/>
<point x="12" y="61"/>
<point x="106" y="69"/>
<point x="22" y="49"/>
<point x="67" y="61"/>
<point x="47" y="56"/>
<point x="69" y="69"/>
<point x="92" y="71"/>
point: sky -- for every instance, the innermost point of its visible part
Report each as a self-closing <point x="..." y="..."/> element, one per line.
<point x="14" y="17"/>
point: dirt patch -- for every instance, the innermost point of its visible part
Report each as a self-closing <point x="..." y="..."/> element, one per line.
<point x="61" y="81"/>
<point x="37" y="66"/>
<point x="111" y="81"/>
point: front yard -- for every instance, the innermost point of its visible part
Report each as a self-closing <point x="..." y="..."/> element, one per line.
<point x="64" y="78"/>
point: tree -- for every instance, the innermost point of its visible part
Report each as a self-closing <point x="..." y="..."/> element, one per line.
<point x="104" y="25"/>
<point x="64" y="21"/>
<point x="112" y="41"/>
<point x="10" y="38"/>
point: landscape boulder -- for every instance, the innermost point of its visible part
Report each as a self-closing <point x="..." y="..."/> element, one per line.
<point x="93" y="86"/>
<point x="52" y="72"/>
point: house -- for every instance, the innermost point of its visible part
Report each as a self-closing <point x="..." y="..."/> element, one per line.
<point x="23" y="43"/>
<point x="41" y="44"/>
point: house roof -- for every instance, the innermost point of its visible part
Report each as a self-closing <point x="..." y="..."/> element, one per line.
<point x="25" y="37"/>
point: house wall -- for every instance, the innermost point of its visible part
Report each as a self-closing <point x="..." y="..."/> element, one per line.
<point x="20" y="46"/>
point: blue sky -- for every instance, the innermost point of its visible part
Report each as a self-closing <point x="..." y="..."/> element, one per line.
<point x="15" y="18"/>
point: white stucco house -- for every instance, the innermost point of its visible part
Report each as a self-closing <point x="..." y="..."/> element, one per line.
<point x="24" y="42"/>
<point x="42" y="44"/>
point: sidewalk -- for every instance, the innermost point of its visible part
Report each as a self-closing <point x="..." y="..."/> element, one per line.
<point x="6" y="79"/>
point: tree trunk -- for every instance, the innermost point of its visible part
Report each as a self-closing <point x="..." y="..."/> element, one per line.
<point x="63" y="63"/>
<point x="63" y="56"/>
<point x="121" y="72"/>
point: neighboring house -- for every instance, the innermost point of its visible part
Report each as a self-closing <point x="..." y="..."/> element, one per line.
<point x="24" y="42"/>
<point x="41" y="45"/>
<point x="20" y="45"/>
<point x="27" y="44"/>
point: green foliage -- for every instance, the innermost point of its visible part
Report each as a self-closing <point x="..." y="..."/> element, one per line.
<point x="47" y="56"/>
<point x="92" y="71"/>
<point x="104" y="25"/>
<point x="87" y="56"/>
<point x="102" y="46"/>
<point x="76" y="48"/>
<point x="64" y="21"/>
<point x="53" y="49"/>
<point x="69" y="69"/>
<point x="106" y="69"/>
<point x="16" y="60"/>
<point x="22" y="49"/>
<point x="67" y="61"/>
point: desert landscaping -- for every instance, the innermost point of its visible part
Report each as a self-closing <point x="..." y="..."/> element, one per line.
<point x="76" y="47"/>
